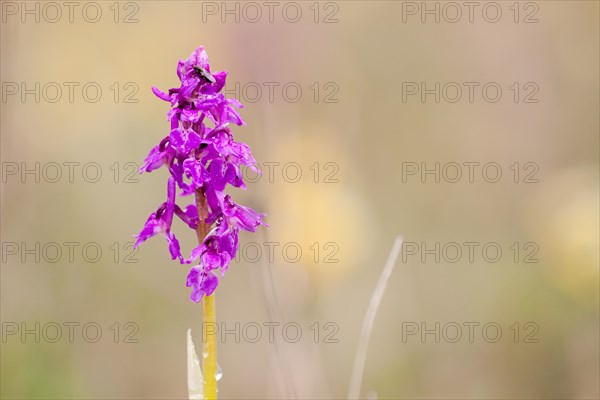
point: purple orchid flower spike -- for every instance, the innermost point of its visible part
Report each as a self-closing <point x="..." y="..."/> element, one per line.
<point x="202" y="158"/>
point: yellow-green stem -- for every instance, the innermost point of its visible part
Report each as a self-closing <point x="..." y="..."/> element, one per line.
<point x="209" y="350"/>
<point x="209" y="343"/>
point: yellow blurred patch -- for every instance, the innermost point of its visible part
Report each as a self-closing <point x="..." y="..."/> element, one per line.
<point x="330" y="221"/>
<point x="569" y="203"/>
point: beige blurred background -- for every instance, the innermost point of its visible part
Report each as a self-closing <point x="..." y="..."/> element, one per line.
<point x="368" y="136"/>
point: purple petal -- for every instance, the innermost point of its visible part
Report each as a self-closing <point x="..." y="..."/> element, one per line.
<point x="185" y="140"/>
<point x="209" y="283"/>
<point x="216" y="171"/>
<point x="191" y="221"/>
<point x="214" y="198"/>
<point x="233" y="176"/>
<point x="192" y="211"/>
<point x="225" y="259"/>
<point x="212" y="88"/>
<point x="174" y="248"/>
<point x="193" y="275"/>
<point x="187" y="88"/>
<point x="158" y="156"/>
<point x="195" y="253"/>
<point x="201" y="282"/>
<point x="229" y="242"/>
<point x="210" y="260"/>
<point x="243" y="217"/>
<point x="153" y="161"/>
<point x="170" y="209"/>
<point x="194" y="169"/>
<point x="199" y="58"/>
<point x="151" y="228"/>
<point x="160" y="94"/>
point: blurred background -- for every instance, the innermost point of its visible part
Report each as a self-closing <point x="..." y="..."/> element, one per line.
<point x="342" y="118"/>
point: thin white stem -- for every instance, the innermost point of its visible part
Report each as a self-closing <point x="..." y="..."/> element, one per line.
<point x="275" y="315"/>
<point x="363" y="344"/>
